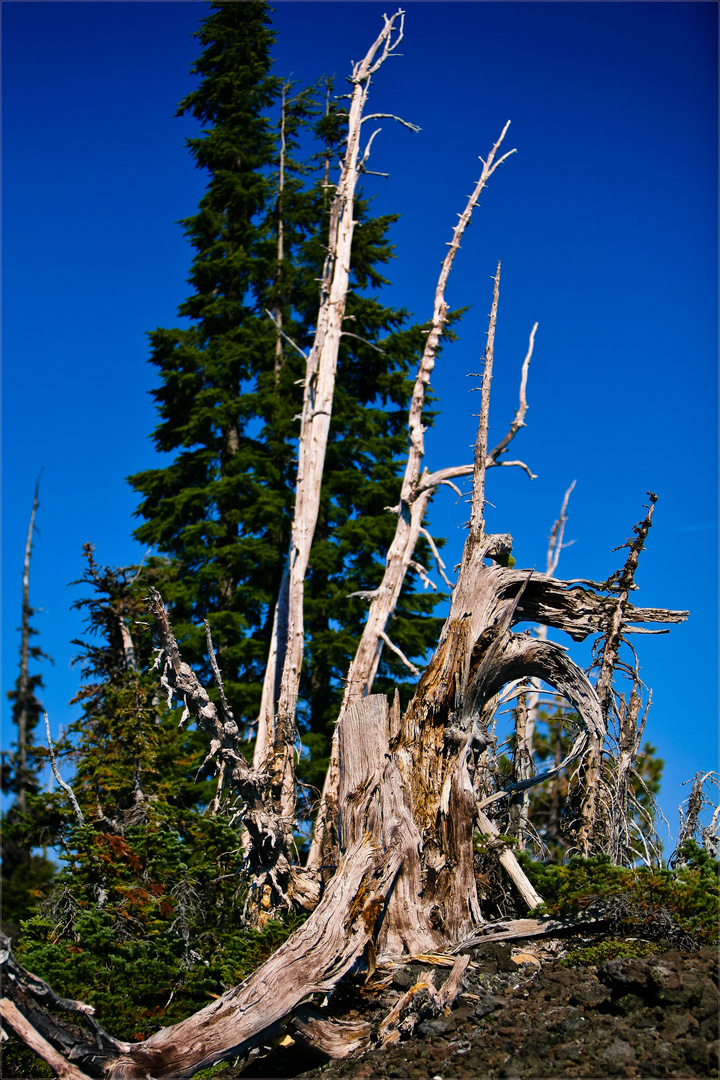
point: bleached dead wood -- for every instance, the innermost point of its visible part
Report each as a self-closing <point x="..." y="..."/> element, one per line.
<point x="336" y="1038"/>
<point x="415" y="494"/>
<point x="317" y="409"/>
<point x="66" y="787"/>
<point x="528" y="703"/>
<point x="601" y="809"/>
<point x="24" y="1030"/>
<point x="312" y="961"/>
<point x="509" y="861"/>
<point x="378" y="837"/>
<point x="446" y="725"/>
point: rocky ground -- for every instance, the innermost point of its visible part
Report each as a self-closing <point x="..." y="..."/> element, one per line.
<point x="534" y="1010"/>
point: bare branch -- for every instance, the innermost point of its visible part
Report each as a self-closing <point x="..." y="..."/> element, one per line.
<point x="555" y="540"/>
<point x="227" y="711"/>
<point x="283" y="334"/>
<point x="518" y="464"/>
<point x="422" y="574"/>
<point x="366" y="153"/>
<point x="443" y="476"/>
<point x="440" y="564"/>
<point x="58" y="777"/>
<point x="346" y="333"/>
<point x="367" y="67"/>
<point x="477" y="512"/>
<point x="519" y="420"/>
<point x="391" y="116"/>
<point x="398" y="652"/>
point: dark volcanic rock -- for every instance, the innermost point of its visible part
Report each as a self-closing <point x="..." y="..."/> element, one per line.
<point x="654" y="1016"/>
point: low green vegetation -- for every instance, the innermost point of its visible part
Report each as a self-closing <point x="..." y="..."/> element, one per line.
<point x="679" y="905"/>
<point x="607" y="950"/>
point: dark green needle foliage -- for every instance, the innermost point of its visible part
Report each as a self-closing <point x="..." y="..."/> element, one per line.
<point x="230" y="391"/>
<point x="145" y="920"/>
<point x="676" y="906"/>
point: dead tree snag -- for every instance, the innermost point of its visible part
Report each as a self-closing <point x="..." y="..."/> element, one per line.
<point x="415" y="494"/>
<point x="276" y="733"/>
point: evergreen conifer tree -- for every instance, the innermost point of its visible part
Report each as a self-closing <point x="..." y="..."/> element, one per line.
<point x="229" y="395"/>
<point x="146" y="916"/>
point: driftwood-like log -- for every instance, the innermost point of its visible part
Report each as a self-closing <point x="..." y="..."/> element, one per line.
<point x="311" y="961"/>
<point x="24" y="1030"/>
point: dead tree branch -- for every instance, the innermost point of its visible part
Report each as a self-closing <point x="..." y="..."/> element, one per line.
<point x="66" y="787"/>
<point x="24" y="1030"/>
<point x="520" y="413"/>
<point x="411" y="511"/>
<point x="270" y="833"/>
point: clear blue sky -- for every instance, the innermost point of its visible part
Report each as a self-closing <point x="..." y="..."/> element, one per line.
<point x="605" y="221"/>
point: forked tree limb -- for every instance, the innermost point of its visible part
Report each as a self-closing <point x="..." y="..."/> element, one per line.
<point x="411" y="509"/>
<point x="520" y="413"/>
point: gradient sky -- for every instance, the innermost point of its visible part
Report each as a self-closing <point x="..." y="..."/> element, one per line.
<point x="605" y="221"/>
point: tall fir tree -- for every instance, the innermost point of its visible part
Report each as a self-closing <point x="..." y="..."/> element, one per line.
<point x="229" y="394"/>
<point x="24" y="873"/>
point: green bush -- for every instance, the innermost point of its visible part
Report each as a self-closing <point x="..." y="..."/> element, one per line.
<point x="680" y="904"/>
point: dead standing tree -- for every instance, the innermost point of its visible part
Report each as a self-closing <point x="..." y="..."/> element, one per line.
<point x="528" y="697"/>
<point x="415" y="495"/>
<point x="277" y="723"/>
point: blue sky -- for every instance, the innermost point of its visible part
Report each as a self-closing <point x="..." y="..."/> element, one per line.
<point x="605" y="221"/>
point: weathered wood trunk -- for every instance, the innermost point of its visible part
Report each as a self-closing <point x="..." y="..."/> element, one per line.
<point x="415" y="494"/>
<point x="319" y="391"/>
